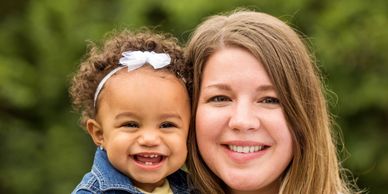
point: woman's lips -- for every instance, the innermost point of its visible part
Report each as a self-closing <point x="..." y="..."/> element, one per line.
<point x="242" y="152"/>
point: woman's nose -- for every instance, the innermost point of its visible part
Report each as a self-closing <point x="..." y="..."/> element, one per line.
<point x="149" y="138"/>
<point x="244" y="117"/>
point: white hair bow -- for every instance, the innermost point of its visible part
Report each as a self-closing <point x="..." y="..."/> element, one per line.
<point x="134" y="60"/>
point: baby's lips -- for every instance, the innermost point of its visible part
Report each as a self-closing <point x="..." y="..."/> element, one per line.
<point x="151" y="158"/>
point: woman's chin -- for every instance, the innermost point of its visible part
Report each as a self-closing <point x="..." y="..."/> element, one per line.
<point x="251" y="184"/>
<point x="243" y="186"/>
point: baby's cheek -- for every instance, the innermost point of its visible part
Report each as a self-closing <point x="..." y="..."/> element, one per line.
<point x="177" y="143"/>
<point x="121" y="141"/>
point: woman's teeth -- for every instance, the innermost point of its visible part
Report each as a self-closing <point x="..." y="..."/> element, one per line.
<point x="245" y="149"/>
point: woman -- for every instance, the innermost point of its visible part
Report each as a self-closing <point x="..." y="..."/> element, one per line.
<point x="261" y="119"/>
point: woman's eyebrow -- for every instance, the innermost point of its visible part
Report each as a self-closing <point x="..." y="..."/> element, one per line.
<point x="264" y="88"/>
<point x="219" y="86"/>
<point x="261" y="88"/>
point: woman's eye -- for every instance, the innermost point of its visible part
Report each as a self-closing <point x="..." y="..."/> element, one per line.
<point x="270" y="100"/>
<point x="219" y="99"/>
<point x="168" y="125"/>
<point x="131" y="124"/>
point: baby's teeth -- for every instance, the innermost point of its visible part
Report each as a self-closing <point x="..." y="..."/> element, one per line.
<point x="151" y="156"/>
<point x="148" y="163"/>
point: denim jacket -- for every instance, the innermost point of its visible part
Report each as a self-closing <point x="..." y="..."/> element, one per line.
<point x="104" y="178"/>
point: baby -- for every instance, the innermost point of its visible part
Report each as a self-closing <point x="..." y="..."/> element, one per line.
<point x="135" y="105"/>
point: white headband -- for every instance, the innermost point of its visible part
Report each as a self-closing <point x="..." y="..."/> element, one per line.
<point x="134" y="60"/>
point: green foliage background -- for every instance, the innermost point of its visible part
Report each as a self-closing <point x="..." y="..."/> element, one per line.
<point x="45" y="151"/>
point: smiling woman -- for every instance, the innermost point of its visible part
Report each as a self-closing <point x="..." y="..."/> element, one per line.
<point x="249" y="131"/>
<point x="261" y="121"/>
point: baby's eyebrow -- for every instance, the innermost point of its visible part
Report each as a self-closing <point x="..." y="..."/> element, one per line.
<point x="171" y="115"/>
<point x="162" y="116"/>
<point x="125" y="114"/>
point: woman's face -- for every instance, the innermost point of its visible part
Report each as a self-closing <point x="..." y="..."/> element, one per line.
<point x="241" y="130"/>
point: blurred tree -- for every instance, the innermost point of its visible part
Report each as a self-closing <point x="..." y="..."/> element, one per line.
<point x="45" y="151"/>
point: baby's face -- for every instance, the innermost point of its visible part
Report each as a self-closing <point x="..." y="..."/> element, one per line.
<point x="145" y="118"/>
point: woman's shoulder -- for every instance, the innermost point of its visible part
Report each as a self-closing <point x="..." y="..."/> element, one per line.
<point x="178" y="182"/>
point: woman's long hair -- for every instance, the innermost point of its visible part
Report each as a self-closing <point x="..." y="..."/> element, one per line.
<point x="314" y="167"/>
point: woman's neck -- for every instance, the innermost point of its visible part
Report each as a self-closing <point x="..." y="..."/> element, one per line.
<point x="273" y="188"/>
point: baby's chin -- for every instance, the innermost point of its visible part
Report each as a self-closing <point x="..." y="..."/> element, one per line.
<point x="148" y="184"/>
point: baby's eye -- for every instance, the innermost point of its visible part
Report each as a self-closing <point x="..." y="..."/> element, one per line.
<point x="270" y="100"/>
<point x="219" y="99"/>
<point x="168" y="124"/>
<point x="131" y="124"/>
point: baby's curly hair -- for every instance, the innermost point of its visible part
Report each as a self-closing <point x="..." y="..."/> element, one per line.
<point x="100" y="60"/>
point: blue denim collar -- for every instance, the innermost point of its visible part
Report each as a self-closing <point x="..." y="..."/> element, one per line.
<point x="111" y="179"/>
<point x="108" y="177"/>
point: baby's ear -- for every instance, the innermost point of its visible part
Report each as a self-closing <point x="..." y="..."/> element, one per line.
<point x="95" y="130"/>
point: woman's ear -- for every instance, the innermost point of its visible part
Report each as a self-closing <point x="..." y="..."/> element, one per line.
<point x="95" y="130"/>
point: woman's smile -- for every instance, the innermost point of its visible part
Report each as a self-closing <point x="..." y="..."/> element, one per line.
<point x="241" y="130"/>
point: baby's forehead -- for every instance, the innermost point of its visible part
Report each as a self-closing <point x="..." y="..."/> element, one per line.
<point x="138" y="85"/>
<point x="144" y="79"/>
<point x="145" y="72"/>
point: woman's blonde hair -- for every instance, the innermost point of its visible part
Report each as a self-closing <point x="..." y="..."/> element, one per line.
<point x="314" y="167"/>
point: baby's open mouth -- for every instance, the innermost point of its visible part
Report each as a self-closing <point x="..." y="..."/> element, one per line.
<point x="148" y="159"/>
